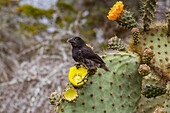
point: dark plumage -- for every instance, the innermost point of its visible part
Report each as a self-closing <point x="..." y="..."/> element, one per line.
<point x="85" y="56"/>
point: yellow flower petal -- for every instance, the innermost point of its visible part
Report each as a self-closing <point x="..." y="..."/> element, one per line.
<point x="116" y="11"/>
<point x="76" y="75"/>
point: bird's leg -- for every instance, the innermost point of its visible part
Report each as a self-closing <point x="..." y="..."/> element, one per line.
<point x="77" y="65"/>
<point x="84" y="77"/>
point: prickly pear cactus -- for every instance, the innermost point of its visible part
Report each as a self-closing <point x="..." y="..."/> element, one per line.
<point x="152" y="43"/>
<point x="157" y="40"/>
<point x="153" y="91"/>
<point x="144" y="70"/>
<point x="117" y="91"/>
<point x="149" y="105"/>
<point x="116" y="44"/>
<point x="127" y="20"/>
<point x="166" y="106"/>
<point x="149" y="13"/>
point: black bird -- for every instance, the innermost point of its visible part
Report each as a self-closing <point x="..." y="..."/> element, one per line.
<point x="85" y="56"/>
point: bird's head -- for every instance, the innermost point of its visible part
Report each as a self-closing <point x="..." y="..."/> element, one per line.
<point x="76" y="42"/>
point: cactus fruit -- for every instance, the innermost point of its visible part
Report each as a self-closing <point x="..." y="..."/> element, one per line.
<point x="116" y="43"/>
<point x="144" y="70"/>
<point x="153" y="91"/>
<point x="136" y="35"/>
<point x="54" y="98"/>
<point x="116" y="91"/>
<point x="159" y="110"/>
<point x="70" y="95"/>
<point x="147" y="55"/>
<point x="149" y="13"/>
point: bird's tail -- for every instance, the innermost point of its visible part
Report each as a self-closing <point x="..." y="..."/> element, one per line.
<point x="105" y="68"/>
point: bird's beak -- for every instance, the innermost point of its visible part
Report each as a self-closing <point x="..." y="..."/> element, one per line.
<point x="70" y="40"/>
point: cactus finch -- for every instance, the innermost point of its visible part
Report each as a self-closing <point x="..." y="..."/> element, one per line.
<point x="85" y="56"/>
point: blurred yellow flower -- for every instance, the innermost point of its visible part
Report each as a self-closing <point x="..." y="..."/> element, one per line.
<point x="76" y="75"/>
<point x="116" y="11"/>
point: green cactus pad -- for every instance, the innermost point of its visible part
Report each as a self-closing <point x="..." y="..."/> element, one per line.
<point x="107" y="92"/>
<point x="153" y="91"/>
<point x="149" y="105"/>
<point x="168" y="23"/>
<point x="157" y="40"/>
<point x="116" y="43"/>
<point x="149" y="13"/>
<point x="166" y="106"/>
<point x="127" y="21"/>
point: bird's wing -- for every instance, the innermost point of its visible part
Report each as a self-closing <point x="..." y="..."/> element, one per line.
<point x="89" y="54"/>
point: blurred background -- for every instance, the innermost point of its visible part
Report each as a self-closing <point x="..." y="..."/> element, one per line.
<point x="34" y="55"/>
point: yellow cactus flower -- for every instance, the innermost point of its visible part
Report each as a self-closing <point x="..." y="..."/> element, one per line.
<point x="76" y="75"/>
<point x="70" y="95"/>
<point x="116" y="11"/>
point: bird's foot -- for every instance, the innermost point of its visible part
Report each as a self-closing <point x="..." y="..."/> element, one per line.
<point x="83" y="80"/>
<point x="77" y="66"/>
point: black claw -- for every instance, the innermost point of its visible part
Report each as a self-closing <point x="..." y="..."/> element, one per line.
<point x="77" y="66"/>
<point x="83" y="80"/>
